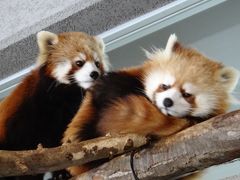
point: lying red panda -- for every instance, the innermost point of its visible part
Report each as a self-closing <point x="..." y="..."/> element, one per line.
<point x="174" y="89"/>
<point x="42" y="105"/>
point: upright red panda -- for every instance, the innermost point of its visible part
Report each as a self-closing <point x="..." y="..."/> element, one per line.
<point x="42" y="105"/>
<point x="175" y="88"/>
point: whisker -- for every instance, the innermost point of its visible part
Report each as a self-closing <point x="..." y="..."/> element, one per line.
<point x="140" y="90"/>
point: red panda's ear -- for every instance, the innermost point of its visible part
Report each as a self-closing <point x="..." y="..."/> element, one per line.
<point x="100" y="42"/>
<point x="228" y="77"/>
<point x="163" y="54"/>
<point x="105" y="61"/>
<point x="45" y="39"/>
<point x="171" y="45"/>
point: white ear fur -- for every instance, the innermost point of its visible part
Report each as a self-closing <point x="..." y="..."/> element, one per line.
<point x="229" y="77"/>
<point x="147" y="53"/>
<point x="170" y="44"/>
<point x="100" y="43"/>
<point x="159" y="54"/>
<point x="106" y="63"/>
<point x="44" y="39"/>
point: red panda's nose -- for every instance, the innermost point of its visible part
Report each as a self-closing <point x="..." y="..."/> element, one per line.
<point x="167" y="102"/>
<point x="94" y="75"/>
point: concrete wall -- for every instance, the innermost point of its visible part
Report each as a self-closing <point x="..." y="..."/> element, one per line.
<point x="21" y="20"/>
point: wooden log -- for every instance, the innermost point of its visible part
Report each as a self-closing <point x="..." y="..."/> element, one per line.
<point x="209" y="143"/>
<point x="14" y="163"/>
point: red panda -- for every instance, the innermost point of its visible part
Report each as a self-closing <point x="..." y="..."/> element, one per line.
<point x="42" y="105"/>
<point x="174" y="89"/>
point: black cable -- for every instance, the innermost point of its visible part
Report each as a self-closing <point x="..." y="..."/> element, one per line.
<point x="150" y="141"/>
<point x="132" y="165"/>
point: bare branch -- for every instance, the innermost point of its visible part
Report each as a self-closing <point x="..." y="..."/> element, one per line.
<point x="42" y="160"/>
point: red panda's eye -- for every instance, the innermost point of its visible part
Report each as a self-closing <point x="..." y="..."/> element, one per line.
<point x="97" y="64"/>
<point x="80" y="63"/>
<point x="186" y="95"/>
<point x="164" y="87"/>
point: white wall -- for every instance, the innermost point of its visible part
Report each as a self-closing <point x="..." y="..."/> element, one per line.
<point x="215" y="32"/>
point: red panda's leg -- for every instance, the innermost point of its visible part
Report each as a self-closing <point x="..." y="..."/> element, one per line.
<point x="71" y="134"/>
<point x="82" y="117"/>
<point x="76" y="170"/>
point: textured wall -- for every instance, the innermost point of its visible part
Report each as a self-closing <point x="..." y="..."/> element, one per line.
<point x="20" y="20"/>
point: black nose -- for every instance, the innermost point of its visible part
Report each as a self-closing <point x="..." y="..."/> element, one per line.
<point x="167" y="102"/>
<point x="94" y="75"/>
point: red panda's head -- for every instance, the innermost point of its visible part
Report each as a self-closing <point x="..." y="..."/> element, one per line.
<point x="72" y="57"/>
<point x="182" y="82"/>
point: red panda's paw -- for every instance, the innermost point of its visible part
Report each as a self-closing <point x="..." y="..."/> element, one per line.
<point x="77" y="170"/>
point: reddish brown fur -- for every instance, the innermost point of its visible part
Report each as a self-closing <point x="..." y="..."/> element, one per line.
<point x="134" y="114"/>
<point x="11" y="103"/>
<point x="84" y="114"/>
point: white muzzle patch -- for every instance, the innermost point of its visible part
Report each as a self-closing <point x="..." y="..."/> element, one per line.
<point x="171" y="102"/>
<point x="83" y="75"/>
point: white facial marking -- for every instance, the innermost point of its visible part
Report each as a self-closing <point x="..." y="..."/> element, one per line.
<point x="95" y="56"/>
<point x="61" y="70"/>
<point x="179" y="108"/>
<point x="82" y="76"/>
<point x="205" y="101"/>
<point x="106" y="63"/>
<point x="204" y="104"/>
<point x="82" y="56"/>
<point x="190" y="88"/>
<point x="154" y="79"/>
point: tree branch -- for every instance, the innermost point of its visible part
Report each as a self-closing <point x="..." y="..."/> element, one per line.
<point x="212" y="142"/>
<point x="42" y="160"/>
<point x="209" y="143"/>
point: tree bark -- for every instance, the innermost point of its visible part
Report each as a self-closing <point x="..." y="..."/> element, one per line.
<point x="13" y="163"/>
<point x="209" y="143"/>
